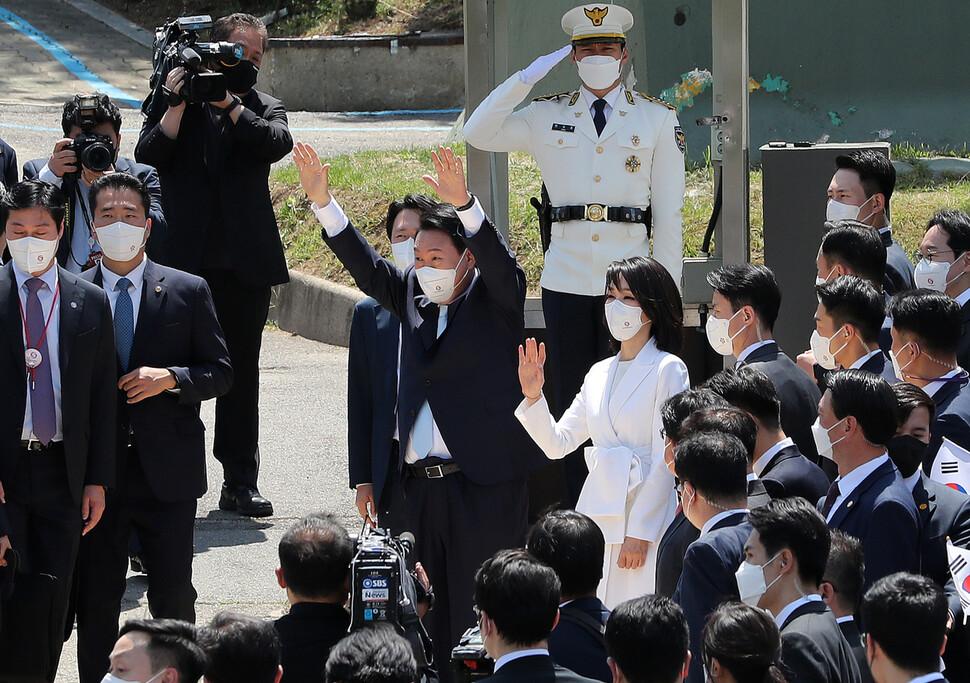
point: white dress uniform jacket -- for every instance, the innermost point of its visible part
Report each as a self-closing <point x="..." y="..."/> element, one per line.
<point x="629" y="490"/>
<point x="638" y="161"/>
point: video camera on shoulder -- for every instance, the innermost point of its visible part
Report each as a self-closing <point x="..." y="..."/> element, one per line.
<point x="469" y="660"/>
<point x="176" y="44"/>
<point x="95" y="152"/>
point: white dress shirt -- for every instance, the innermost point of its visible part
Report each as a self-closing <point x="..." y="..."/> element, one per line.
<point x="610" y="98"/>
<point x="519" y="654"/>
<point x="864" y="359"/>
<point x="936" y="384"/>
<point x="761" y="464"/>
<point x="751" y="349"/>
<point x="82" y="243"/>
<point x="709" y="525"/>
<point x="792" y="606"/>
<point x="137" y="279"/>
<point x="849" y="482"/>
<point x="53" y="339"/>
<point x="963" y="297"/>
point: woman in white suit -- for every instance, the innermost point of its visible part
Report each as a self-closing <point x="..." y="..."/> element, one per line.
<point x="629" y="492"/>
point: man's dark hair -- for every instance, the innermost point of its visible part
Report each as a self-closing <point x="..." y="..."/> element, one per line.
<point x="909" y="397"/>
<point x="858" y="247"/>
<point x="716" y="464"/>
<point x="748" y="284"/>
<point x="647" y="637"/>
<point x="906" y="615"/>
<point x="845" y="567"/>
<point x="869" y="399"/>
<point x="658" y="296"/>
<point x="794" y="523"/>
<point x="729" y="420"/>
<point x="171" y="643"/>
<point x="107" y="112"/>
<point x="412" y="202"/>
<point x="676" y="409"/>
<point x="932" y="317"/>
<point x="372" y="655"/>
<point x="752" y="391"/>
<point x="223" y="27"/>
<point x="851" y="300"/>
<point x="956" y="225"/>
<point x="444" y="218"/>
<point x="241" y="648"/>
<point x="745" y="640"/>
<point x="876" y="172"/>
<point x="573" y="545"/>
<point x="315" y="555"/>
<point x="28" y="194"/>
<point x="520" y="594"/>
<point x="119" y="181"/>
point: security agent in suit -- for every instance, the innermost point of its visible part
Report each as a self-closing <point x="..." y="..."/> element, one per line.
<point x="861" y="190"/>
<point x="742" y="643"/>
<point x="856" y="420"/>
<point x="465" y="456"/>
<point x="906" y="621"/>
<point x="745" y="306"/>
<point x="609" y="157"/>
<point x="171" y="357"/>
<point x="785" y="558"/>
<point x="711" y="467"/>
<point x="8" y="165"/>
<point x="78" y="251"/>
<point x="226" y="233"/>
<point x="777" y="463"/>
<point x="573" y="545"/>
<point x="57" y="437"/>
<point x="517" y="603"/>
<point x="647" y="640"/>
<point x="372" y="376"/>
<point x="841" y="590"/>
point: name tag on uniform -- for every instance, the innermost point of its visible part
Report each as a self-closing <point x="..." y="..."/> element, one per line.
<point x="565" y="127"/>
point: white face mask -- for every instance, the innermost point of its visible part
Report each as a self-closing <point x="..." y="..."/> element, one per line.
<point x="823" y="442"/>
<point x="820" y="349"/>
<point x="121" y="241"/>
<point x="819" y="280"/>
<point x="837" y="211"/>
<point x="933" y="275"/>
<point x="403" y="253"/>
<point x="897" y="370"/>
<point x="439" y="284"/>
<point x="111" y="678"/>
<point x="719" y="334"/>
<point x="599" y="72"/>
<point x="32" y="254"/>
<point x="623" y="320"/>
<point x="751" y="581"/>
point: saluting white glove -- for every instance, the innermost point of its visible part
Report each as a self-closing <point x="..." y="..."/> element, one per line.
<point x="534" y="73"/>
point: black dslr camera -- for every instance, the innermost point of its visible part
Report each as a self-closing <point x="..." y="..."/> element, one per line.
<point x="176" y="44"/>
<point x="94" y="152"/>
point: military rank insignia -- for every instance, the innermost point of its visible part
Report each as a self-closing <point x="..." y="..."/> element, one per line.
<point x="681" y="140"/>
<point x="632" y="164"/>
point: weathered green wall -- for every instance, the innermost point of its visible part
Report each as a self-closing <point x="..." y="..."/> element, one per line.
<point x="846" y="69"/>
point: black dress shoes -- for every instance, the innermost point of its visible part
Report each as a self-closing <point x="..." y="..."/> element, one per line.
<point x="246" y="500"/>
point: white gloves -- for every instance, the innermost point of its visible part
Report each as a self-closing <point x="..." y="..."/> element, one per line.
<point x="534" y="73"/>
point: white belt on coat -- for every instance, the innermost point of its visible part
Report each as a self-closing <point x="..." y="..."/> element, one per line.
<point x="614" y="474"/>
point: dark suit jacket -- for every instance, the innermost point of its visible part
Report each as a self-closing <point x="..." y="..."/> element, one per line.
<point x="537" y="669"/>
<point x="850" y="631"/>
<point x="952" y="420"/>
<point x="963" y="350"/>
<point x="670" y="553"/>
<point x="143" y="172"/>
<point x="88" y="381"/>
<point x="575" y="648"/>
<point x="758" y="495"/>
<point x="308" y="633"/>
<point x="8" y="165"/>
<point x="372" y="395"/>
<point x="708" y="579"/>
<point x="813" y="648"/>
<point x="469" y="375"/>
<point x="176" y="329"/>
<point x="227" y="177"/>
<point x="881" y="513"/>
<point x="899" y="269"/>
<point x="876" y="364"/>
<point x="791" y="474"/>
<point x="798" y="393"/>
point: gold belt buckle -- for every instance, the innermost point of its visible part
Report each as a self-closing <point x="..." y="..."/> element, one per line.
<point x="595" y="212"/>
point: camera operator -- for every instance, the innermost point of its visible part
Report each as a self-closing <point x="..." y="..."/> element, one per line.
<point x="91" y="115"/>
<point x="214" y="160"/>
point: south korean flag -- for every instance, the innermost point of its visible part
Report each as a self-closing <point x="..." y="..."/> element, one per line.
<point x="952" y="467"/>
<point x="959" y="559"/>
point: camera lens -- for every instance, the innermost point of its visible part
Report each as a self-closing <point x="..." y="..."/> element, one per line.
<point x="97" y="157"/>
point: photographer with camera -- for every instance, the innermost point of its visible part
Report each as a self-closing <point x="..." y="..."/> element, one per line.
<point x="88" y="150"/>
<point x="214" y="159"/>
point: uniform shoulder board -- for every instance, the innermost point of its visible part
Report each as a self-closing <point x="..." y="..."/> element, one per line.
<point x="548" y="98"/>
<point x="660" y="102"/>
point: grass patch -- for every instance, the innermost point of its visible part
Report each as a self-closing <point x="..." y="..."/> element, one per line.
<point x="366" y="182"/>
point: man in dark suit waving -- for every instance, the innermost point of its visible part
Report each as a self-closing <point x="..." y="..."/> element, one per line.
<point x="171" y="357"/>
<point x="57" y="387"/>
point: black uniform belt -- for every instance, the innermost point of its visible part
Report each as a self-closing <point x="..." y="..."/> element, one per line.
<point x="599" y="212"/>
<point x="35" y="445"/>
<point x="434" y="471"/>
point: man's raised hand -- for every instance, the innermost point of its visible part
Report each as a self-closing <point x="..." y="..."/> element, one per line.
<point x="534" y="73"/>
<point x="314" y="176"/>
<point x="450" y="183"/>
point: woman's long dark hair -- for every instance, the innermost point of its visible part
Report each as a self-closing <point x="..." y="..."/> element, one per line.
<point x="658" y="295"/>
<point x="746" y="642"/>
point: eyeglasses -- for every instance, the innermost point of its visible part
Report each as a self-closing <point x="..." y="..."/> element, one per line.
<point x="663" y="433"/>
<point x="919" y="255"/>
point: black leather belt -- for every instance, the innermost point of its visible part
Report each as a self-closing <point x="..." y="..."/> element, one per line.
<point x="600" y="212"/>
<point x="33" y="445"/>
<point x="434" y="471"/>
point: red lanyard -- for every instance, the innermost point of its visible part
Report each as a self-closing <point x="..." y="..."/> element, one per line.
<point x="31" y="352"/>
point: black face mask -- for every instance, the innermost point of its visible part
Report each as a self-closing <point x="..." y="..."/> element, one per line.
<point x="907" y="453"/>
<point x="240" y="78"/>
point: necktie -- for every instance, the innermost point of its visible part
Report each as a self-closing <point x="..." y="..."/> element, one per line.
<point x="830" y="499"/>
<point x="599" y="116"/>
<point x="423" y="432"/>
<point x="124" y="323"/>
<point x="42" y="388"/>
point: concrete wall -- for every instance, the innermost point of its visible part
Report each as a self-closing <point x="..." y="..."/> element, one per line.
<point x="366" y="73"/>
<point x="314" y="308"/>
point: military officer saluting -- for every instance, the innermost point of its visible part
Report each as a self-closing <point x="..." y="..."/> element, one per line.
<point x="606" y="154"/>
